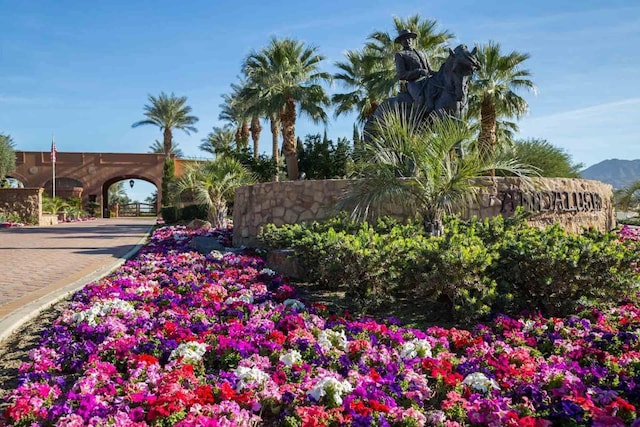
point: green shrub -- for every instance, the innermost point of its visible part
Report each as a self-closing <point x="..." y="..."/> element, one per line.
<point x="474" y="269"/>
<point x="191" y="212"/>
<point x="553" y="271"/>
<point x="170" y="214"/>
<point x="630" y="221"/>
<point x="454" y="273"/>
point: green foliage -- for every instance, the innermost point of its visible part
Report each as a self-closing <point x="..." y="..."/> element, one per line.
<point x="214" y="184"/>
<point x="628" y="198"/>
<point x="53" y="205"/>
<point x="168" y="176"/>
<point x="550" y="161"/>
<point x="170" y="214"/>
<point x="7" y="156"/>
<point x="320" y="158"/>
<point x="192" y="212"/>
<point x="10" y="217"/>
<point x="630" y="221"/>
<point x="452" y="268"/>
<point x="435" y="179"/>
<point x="554" y="271"/>
<point x="263" y="168"/>
<point x="473" y="269"/>
<point x="168" y="112"/>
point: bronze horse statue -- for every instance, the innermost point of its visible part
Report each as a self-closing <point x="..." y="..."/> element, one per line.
<point x="444" y="93"/>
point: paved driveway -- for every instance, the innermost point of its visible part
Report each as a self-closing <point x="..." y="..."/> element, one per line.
<point x="37" y="262"/>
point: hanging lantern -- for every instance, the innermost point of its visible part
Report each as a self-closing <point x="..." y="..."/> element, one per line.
<point x="131" y="182"/>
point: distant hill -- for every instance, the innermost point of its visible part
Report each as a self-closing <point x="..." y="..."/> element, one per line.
<point x="618" y="173"/>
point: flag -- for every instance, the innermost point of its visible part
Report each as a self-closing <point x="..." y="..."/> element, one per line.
<point x="53" y="150"/>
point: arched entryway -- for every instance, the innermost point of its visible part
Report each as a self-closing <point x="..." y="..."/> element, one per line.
<point x="116" y="203"/>
<point x="65" y="188"/>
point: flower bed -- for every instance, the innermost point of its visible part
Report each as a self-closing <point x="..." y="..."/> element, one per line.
<point x="178" y="338"/>
<point x="8" y="224"/>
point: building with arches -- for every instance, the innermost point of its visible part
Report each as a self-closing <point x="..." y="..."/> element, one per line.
<point x="89" y="175"/>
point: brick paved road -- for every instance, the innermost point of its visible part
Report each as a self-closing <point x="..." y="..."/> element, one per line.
<point x="35" y="262"/>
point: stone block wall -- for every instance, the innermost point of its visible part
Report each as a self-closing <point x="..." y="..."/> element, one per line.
<point x="575" y="203"/>
<point x="25" y="202"/>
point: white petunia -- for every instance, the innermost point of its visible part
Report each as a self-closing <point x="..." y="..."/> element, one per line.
<point x="415" y="348"/>
<point x="102" y="309"/>
<point x="329" y="338"/>
<point x="249" y="375"/>
<point x="291" y="358"/>
<point x="268" y="272"/>
<point x="191" y="351"/>
<point x="332" y="388"/>
<point x="479" y="382"/>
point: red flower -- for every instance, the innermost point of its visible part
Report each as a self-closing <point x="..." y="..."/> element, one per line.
<point x="147" y="359"/>
<point x="204" y="394"/>
<point x="375" y="376"/>
<point x="359" y="407"/>
<point x="533" y="422"/>
<point x="377" y="406"/>
<point x="227" y="392"/>
<point x="278" y="337"/>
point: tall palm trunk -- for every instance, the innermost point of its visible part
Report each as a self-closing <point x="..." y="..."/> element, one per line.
<point x="275" y="133"/>
<point x="487" y="137"/>
<point x="167" y="141"/>
<point x="244" y="135"/>
<point x="289" y="146"/>
<point x="255" y="134"/>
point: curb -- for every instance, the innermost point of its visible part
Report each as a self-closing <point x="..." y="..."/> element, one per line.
<point x="13" y="322"/>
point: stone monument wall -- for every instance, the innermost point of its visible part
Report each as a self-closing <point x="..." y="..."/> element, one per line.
<point x="24" y="202"/>
<point x="574" y="203"/>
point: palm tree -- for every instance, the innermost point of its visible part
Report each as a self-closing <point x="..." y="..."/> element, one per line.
<point x="492" y="93"/>
<point x="53" y="205"/>
<point x="412" y="165"/>
<point x="213" y="184"/>
<point x="118" y="194"/>
<point x="380" y="51"/>
<point x="353" y="75"/>
<point x="255" y="129"/>
<point x="158" y="148"/>
<point x="257" y="106"/>
<point x="168" y="112"/>
<point x="234" y="111"/>
<point x="628" y="197"/>
<point x="218" y="141"/>
<point x="285" y="75"/>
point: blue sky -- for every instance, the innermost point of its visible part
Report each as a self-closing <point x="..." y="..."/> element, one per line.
<point x="83" y="70"/>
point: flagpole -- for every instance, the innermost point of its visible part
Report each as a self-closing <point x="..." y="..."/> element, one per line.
<point x="53" y="163"/>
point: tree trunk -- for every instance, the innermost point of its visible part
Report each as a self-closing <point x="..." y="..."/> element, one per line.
<point x="167" y="141"/>
<point x="487" y="137"/>
<point x="255" y="129"/>
<point x="275" y="133"/>
<point x="244" y="135"/>
<point x="217" y="214"/>
<point x="289" y="143"/>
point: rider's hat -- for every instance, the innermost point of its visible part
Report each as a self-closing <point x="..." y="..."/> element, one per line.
<point x="405" y="34"/>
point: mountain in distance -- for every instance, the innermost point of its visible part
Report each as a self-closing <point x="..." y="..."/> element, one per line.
<point x="618" y="173"/>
